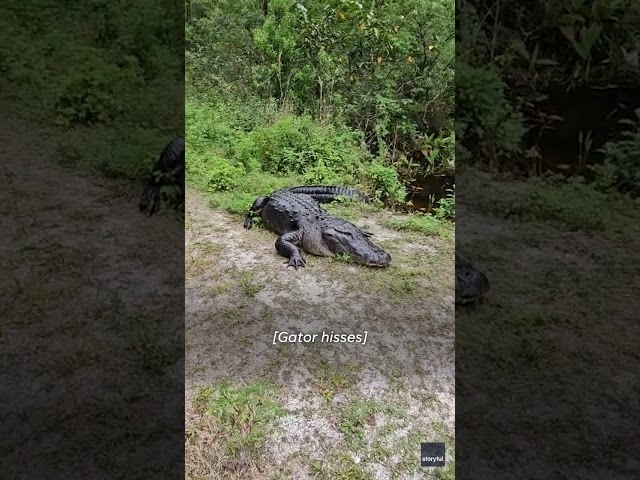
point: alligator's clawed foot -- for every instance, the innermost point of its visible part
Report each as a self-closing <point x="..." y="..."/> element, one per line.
<point x="248" y="222"/>
<point x="296" y="262"/>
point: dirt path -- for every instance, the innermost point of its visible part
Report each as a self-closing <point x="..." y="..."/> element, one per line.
<point x="349" y="407"/>
<point x="561" y="320"/>
<point x="91" y="315"/>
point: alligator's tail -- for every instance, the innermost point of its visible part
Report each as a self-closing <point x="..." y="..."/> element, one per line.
<point x="329" y="193"/>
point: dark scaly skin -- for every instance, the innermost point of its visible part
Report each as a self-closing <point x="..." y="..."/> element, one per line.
<point x="471" y="284"/>
<point x="304" y="225"/>
<point x="325" y="193"/>
<point x="168" y="170"/>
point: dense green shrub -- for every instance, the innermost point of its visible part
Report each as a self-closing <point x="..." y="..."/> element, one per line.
<point x="225" y="149"/>
<point x="487" y="125"/>
<point x="296" y="144"/>
<point x="621" y="166"/>
<point x="382" y="69"/>
<point x="107" y="76"/>
<point x="446" y="210"/>
<point x="385" y="182"/>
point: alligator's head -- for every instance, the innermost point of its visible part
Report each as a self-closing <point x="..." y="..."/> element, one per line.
<point x="348" y="239"/>
<point x="471" y="284"/>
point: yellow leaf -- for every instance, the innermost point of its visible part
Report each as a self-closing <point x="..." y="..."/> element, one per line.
<point x="410" y="59"/>
<point x="361" y="25"/>
<point x="395" y="29"/>
<point x="431" y="47"/>
<point x="379" y="59"/>
<point x="342" y="16"/>
<point x="375" y="30"/>
<point x="351" y="78"/>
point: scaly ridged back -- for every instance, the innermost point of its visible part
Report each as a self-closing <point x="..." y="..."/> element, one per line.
<point x="173" y="155"/>
<point x="329" y="193"/>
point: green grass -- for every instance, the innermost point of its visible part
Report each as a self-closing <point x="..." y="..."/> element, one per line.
<point x="248" y="188"/>
<point x="572" y="205"/>
<point x="155" y="352"/>
<point x="248" y="283"/>
<point x="422" y="223"/>
<point x="446" y="473"/>
<point x="243" y="415"/>
<point x="332" y="380"/>
<point x="198" y="265"/>
<point x="354" y="417"/>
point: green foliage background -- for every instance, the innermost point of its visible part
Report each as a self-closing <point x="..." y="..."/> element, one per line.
<point x="107" y="77"/>
<point x="518" y="63"/>
<point x="347" y="92"/>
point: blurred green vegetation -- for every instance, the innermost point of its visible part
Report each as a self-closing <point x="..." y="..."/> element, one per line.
<point x="551" y="86"/>
<point x="106" y="77"/>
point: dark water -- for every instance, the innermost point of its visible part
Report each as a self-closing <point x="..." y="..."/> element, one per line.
<point x="582" y="111"/>
<point x="593" y="112"/>
<point x="426" y="192"/>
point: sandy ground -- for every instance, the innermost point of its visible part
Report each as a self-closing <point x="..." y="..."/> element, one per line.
<point x="239" y="292"/>
<point x="91" y="329"/>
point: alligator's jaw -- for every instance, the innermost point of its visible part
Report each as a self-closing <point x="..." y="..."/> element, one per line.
<point x="385" y="260"/>
<point x="382" y="258"/>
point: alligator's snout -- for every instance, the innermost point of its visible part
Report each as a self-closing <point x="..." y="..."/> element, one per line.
<point x="348" y="239"/>
<point x="471" y="284"/>
<point x="478" y="286"/>
<point x="383" y="259"/>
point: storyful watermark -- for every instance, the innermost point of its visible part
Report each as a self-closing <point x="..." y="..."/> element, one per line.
<point x="324" y="337"/>
<point x="432" y="454"/>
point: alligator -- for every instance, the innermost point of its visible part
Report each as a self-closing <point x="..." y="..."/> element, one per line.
<point x="471" y="284"/>
<point x="296" y="215"/>
<point x="168" y="171"/>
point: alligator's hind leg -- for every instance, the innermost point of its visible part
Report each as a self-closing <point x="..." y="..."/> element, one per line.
<point x="286" y="246"/>
<point x="150" y="200"/>
<point x="254" y="211"/>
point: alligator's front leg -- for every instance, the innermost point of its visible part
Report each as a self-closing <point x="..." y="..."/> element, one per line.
<point x="254" y="211"/>
<point x="286" y="246"/>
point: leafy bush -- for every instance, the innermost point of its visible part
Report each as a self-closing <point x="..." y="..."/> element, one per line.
<point x="214" y="173"/>
<point x="423" y="223"/>
<point x="385" y="181"/>
<point x="621" y="166"/>
<point x="296" y="144"/>
<point x="446" y="209"/>
<point x="487" y="125"/>
<point x="383" y="69"/>
<point x="104" y="78"/>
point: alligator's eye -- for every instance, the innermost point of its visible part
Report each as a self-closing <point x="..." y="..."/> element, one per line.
<point x="345" y="233"/>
